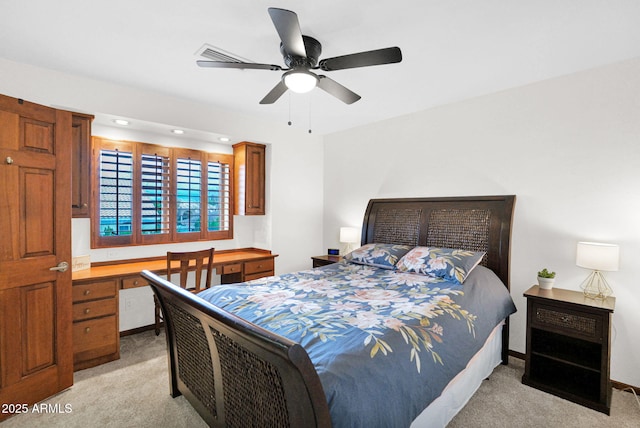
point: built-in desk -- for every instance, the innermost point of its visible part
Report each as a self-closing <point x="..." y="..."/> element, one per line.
<point x="96" y="335"/>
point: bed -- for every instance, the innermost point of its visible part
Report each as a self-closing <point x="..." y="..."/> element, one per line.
<point x="375" y="340"/>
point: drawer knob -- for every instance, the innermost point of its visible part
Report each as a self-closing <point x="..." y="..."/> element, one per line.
<point x="86" y="311"/>
<point x="135" y="282"/>
<point x="87" y="292"/>
<point x="564" y="319"/>
<point x="87" y="330"/>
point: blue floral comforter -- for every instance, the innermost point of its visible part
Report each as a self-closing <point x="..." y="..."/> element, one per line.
<point x="384" y="343"/>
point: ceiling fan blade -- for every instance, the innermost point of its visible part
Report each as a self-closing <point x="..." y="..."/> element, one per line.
<point x="362" y="59"/>
<point x="337" y="90"/>
<point x="275" y="93"/>
<point x="288" y="28"/>
<point x="240" y="65"/>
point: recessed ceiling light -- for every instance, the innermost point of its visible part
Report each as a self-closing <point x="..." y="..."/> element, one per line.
<point x="178" y="131"/>
<point x="224" y="139"/>
<point x="121" y="122"/>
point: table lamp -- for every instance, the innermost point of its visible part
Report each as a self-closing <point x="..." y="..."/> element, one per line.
<point x="349" y="236"/>
<point x="599" y="257"/>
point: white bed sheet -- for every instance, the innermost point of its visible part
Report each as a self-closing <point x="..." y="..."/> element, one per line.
<point x="462" y="387"/>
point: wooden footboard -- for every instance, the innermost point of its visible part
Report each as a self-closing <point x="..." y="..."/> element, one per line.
<point x="235" y="373"/>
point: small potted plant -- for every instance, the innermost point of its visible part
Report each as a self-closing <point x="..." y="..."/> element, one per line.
<point x="545" y="279"/>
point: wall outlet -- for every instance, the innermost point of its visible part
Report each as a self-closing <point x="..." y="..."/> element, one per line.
<point x="113" y="254"/>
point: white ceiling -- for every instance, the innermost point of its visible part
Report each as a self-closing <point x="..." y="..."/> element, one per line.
<point x="452" y="49"/>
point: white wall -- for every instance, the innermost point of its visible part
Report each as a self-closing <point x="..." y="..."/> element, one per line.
<point x="292" y="227"/>
<point x="569" y="148"/>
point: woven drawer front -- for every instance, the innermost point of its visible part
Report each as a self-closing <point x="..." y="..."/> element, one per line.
<point x="577" y="323"/>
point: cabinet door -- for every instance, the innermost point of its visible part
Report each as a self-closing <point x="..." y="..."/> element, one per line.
<point x="249" y="182"/>
<point x="255" y="180"/>
<point x="80" y="164"/>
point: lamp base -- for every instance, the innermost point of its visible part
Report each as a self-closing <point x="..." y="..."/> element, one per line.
<point x="596" y="287"/>
<point x="347" y="248"/>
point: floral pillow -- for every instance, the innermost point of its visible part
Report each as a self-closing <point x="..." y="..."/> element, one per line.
<point x="379" y="255"/>
<point x="447" y="263"/>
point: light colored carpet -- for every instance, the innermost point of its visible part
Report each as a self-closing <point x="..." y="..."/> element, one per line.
<point x="502" y="401"/>
<point x="130" y="392"/>
<point x="134" y="392"/>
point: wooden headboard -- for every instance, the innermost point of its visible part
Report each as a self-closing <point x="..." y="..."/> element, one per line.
<point x="476" y="223"/>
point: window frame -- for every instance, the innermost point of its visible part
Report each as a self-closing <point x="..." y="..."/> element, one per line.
<point x="138" y="149"/>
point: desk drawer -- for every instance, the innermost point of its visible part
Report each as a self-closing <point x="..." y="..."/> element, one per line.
<point x="95" y="338"/>
<point x="257" y="275"/>
<point x="258" y="266"/>
<point x="94" y="290"/>
<point x="134" y="282"/>
<point x="234" y="268"/>
<point x="94" y="309"/>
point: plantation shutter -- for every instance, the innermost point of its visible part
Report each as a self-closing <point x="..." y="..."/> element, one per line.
<point x="155" y="187"/>
<point x="219" y="195"/>
<point x="188" y="192"/>
<point x="151" y="194"/>
<point x="115" y="193"/>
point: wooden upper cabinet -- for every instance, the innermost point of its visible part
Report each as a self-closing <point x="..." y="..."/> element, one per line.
<point x="249" y="171"/>
<point x="80" y="164"/>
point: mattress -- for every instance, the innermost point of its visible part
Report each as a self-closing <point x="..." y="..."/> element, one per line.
<point x="461" y="388"/>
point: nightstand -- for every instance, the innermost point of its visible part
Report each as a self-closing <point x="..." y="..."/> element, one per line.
<point x="325" y="260"/>
<point x="569" y="346"/>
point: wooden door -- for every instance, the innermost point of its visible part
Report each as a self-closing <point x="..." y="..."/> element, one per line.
<point x="36" y="357"/>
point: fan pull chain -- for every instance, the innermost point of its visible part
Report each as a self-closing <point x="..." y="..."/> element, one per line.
<point x="310" y="94"/>
<point x="289" y="94"/>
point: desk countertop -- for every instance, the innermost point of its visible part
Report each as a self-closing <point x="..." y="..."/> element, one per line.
<point x="159" y="265"/>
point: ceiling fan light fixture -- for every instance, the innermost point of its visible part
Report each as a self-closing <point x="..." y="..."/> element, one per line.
<point x="300" y="81"/>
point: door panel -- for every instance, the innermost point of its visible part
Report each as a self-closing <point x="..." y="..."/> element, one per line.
<point x="36" y="192"/>
<point x="36" y="359"/>
<point x="37" y="332"/>
<point x="37" y="135"/>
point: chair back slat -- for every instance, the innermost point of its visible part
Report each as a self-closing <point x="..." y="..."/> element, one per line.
<point x="195" y="261"/>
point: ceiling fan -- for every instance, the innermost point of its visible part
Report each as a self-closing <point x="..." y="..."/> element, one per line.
<point x="301" y="54"/>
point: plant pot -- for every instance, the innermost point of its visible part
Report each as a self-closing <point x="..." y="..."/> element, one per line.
<point x="545" y="283"/>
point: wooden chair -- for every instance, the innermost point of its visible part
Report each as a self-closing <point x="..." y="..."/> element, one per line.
<point x="190" y="261"/>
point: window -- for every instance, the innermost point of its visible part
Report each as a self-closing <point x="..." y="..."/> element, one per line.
<point x="148" y="194"/>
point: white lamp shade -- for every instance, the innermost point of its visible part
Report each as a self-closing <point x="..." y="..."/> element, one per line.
<point x="598" y="256"/>
<point x="349" y="234"/>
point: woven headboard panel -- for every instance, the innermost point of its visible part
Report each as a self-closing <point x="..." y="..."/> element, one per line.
<point x="478" y="223"/>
